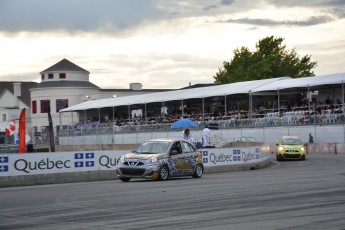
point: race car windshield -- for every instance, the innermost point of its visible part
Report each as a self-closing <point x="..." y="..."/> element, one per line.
<point x="291" y="142"/>
<point x="153" y="147"/>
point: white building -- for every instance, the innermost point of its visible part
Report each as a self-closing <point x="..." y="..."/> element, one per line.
<point x="14" y="96"/>
<point x="63" y="84"/>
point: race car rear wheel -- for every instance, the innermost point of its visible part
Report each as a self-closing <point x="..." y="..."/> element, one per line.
<point x="198" y="171"/>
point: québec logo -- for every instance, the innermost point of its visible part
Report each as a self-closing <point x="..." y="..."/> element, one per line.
<point x="205" y="156"/>
<point x="82" y="160"/>
<point x="237" y="154"/>
<point x="3" y="164"/>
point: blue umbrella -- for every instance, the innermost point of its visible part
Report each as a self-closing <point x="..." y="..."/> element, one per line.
<point x="184" y="123"/>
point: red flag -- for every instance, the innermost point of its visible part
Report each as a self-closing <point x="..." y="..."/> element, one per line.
<point x="11" y="128"/>
<point x="22" y="131"/>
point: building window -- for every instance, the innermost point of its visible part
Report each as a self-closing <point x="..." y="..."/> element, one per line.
<point x="62" y="75"/>
<point x="50" y="76"/>
<point x="61" y="104"/>
<point x="3" y="117"/>
<point x="42" y="76"/>
<point x="45" y="106"/>
<point x="34" y="107"/>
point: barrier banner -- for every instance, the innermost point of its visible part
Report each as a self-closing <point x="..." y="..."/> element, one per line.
<point x="51" y="133"/>
<point x="62" y="162"/>
<point x="82" y="161"/>
<point x="22" y="131"/>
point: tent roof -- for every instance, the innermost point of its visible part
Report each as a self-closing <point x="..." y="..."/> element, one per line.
<point x="182" y="94"/>
<point x="305" y="82"/>
<point x="266" y="85"/>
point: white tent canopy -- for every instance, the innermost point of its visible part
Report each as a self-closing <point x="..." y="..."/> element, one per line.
<point x="305" y="82"/>
<point x="183" y="94"/>
<point x="248" y="87"/>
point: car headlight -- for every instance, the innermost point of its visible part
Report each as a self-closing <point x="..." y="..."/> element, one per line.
<point x="151" y="160"/>
<point x="121" y="160"/>
<point x="302" y="148"/>
<point x="280" y="148"/>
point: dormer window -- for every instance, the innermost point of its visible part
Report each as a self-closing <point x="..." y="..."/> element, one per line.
<point x="62" y="75"/>
<point x="50" y="76"/>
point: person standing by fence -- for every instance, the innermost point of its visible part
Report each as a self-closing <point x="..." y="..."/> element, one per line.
<point x="206" y="135"/>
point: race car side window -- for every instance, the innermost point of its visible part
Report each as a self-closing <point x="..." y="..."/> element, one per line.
<point x="177" y="147"/>
<point x="187" y="147"/>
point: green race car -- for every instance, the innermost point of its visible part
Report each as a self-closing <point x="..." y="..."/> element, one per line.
<point x="290" y="148"/>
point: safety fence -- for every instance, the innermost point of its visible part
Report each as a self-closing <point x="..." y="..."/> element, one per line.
<point x="272" y="120"/>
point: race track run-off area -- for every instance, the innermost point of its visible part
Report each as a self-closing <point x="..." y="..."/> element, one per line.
<point x="286" y="195"/>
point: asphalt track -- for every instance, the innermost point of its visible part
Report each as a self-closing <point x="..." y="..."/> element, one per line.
<point x="288" y="195"/>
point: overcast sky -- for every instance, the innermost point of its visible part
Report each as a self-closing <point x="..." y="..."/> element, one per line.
<point x="161" y="43"/>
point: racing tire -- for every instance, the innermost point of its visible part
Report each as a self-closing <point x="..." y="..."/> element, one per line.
<point x="125" y="179"/>
<point x="163" y="173"/>
<point x="198" y="171"/>
<point x="278" y="158"/>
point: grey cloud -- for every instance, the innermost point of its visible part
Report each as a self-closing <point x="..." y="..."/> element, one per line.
<point x="85" y="15"/>
<point x="227" y="2"/>
<point x="338" y="12"/>
<point x="116" y="15"/>
<point x="223" y="2"/>
<point x="210" y="7"/>
<point x="334" y="3"/>
<point x="102" y="15"/>
<point x="335" y="8"/>
<point x="293" y="3"/>
<point x="269" y="22"/>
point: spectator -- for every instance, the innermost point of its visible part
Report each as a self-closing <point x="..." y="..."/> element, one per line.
<point x="311" y="138"/>
<point x="187" y="135"/>
<point x="206" y="135"/>
<point x="328" y="101"/>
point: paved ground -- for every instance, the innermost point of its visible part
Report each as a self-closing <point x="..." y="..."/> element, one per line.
<point x="289" y="195"/>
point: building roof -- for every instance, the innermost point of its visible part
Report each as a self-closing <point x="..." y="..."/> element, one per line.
<point x="131" y="90"/>
<point x="25" y="86"/>
<point x="65" y="84"/>
<point x="199" y="85"/>
<point x="65" y="65"/>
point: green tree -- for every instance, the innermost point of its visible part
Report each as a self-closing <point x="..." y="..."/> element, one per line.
<point x="271" y="59"/>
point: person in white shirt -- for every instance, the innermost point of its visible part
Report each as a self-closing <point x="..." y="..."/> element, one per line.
<point x="187" y="135"/>
<point x="206" y="135"/>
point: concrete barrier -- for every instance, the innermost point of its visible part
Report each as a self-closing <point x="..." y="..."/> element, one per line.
<point x="79" y="166"/>
<point x="89" y="176"/>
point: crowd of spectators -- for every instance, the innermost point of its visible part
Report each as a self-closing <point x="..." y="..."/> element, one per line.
<point x="301" y="107"/>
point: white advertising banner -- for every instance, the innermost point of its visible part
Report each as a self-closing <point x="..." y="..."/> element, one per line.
<point x="58" y="162"/>
<point x="64" y="162"/>
<point x="234" y="156"/>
